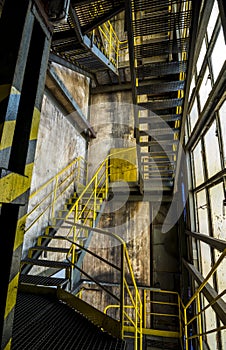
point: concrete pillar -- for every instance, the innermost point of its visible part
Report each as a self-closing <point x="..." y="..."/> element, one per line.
<point x="25" y="44"/>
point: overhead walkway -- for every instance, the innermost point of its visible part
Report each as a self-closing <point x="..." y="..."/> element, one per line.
<point x="84" y="41"/>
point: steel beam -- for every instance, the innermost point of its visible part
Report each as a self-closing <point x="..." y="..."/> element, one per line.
<point x="213" y="242"/>
<point x="25" y="47"/>
<point x="210" y="294"/>
<point x="59" y="60"/>
<point x="104" y="89"/>
<point x="68" y="104"/>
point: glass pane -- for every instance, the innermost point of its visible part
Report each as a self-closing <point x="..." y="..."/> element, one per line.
<point x="192" y="86"/>
<point x="212" y="20"/>
<point x="194" y="114"/>
<point x="206" y="260"/>
<point x="198" y="164"/>
<point x="223" y="337"/>
<point x="212" y="151"/>
<point x="218" y="211"/>
<point x="210" y="318"/>
<point x="201" y="57"/>
<point x="221" y="275"/>
<point x="202" y="212"/>
<point x="205" y="88"/>
<point x="222" y="114"/>
<point x="218" y="54"/>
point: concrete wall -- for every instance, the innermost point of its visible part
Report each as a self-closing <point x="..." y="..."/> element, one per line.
<point x="112" y="119"/>
<point x="59" y="143"/>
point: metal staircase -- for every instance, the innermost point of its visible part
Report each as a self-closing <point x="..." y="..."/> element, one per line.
<point x="158" y="37"/>
<point x="56" y="249"/>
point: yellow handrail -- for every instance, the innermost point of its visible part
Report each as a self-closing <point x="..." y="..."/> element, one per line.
<point x="53" y="189"/>
<point x="197" y="299"/>
<point x="130" y="297"/>
<point x="111" y="42"/>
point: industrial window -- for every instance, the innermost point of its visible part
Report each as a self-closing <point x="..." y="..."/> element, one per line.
<point x="218" y="54"/>
<point x="207" y="153"/>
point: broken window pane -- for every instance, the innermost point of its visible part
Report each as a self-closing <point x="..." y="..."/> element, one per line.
<point x="205" y="88"/>
<point x="218" y="211"/>
<point x="212" y="151"/>
<point x="198" y="165"/>
<point x="202" y="214"/>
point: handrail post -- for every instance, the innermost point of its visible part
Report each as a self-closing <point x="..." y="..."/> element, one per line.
<point x="145" y="308"/>
<point x="136" y="321"/>
<point x="106" y="180"/>
<point x="95" y="199"/>
<point x="185" y="328"/>
<point x="110" y="43"/>
<point x="141" y="325"/>
<point x="122" y="292"/>
<point x="54" y="197"/>
<point x="199" y="321"/>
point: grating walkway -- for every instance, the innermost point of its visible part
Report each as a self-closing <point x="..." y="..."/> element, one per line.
<point x="44" y="323"/>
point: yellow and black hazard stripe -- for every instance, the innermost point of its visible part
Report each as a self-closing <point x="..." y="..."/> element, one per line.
<point x="20" y="188"/>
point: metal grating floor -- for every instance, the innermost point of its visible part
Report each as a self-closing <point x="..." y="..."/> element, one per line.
<point x="44" y="323"/>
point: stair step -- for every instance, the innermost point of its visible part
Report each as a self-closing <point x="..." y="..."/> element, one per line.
<point x="46" y="263"/>
<point x="50" y="249"/>
<point x="43" y="280"/>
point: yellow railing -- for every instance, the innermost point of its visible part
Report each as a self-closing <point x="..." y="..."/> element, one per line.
<point x="196" y="303"/>
<point x="111" y="43"/>
<point x="191" y="317"/>
<point x="47" y="197"/>
<point x="130" y="303"/>
<point x="131" y="308"/>
<point x="87" y="205"/>
<point x="162" y="304"/>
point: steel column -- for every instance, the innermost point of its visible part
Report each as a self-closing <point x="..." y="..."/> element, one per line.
<point x="23" y="62"/>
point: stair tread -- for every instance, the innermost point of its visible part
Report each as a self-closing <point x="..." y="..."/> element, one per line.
<point x="51" y="249"/>
<point x="47" y="263"/>
<point x="42" y="280"/>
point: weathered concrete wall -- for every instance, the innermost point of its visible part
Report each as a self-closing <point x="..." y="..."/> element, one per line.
<point x="112" y="119"/>
<point x="77" y="85"/>
<point x="58" y="145"/>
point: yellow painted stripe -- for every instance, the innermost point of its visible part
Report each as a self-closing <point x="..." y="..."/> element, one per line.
<point x="20" y="231"/>
<point x="6" y="90"/>
<point x="8" y="346"/>
<point x="14" y="185"/>
<point x="11" y="295"/>
<point x="7" y="130"/>
<point x="35" y="124"/>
